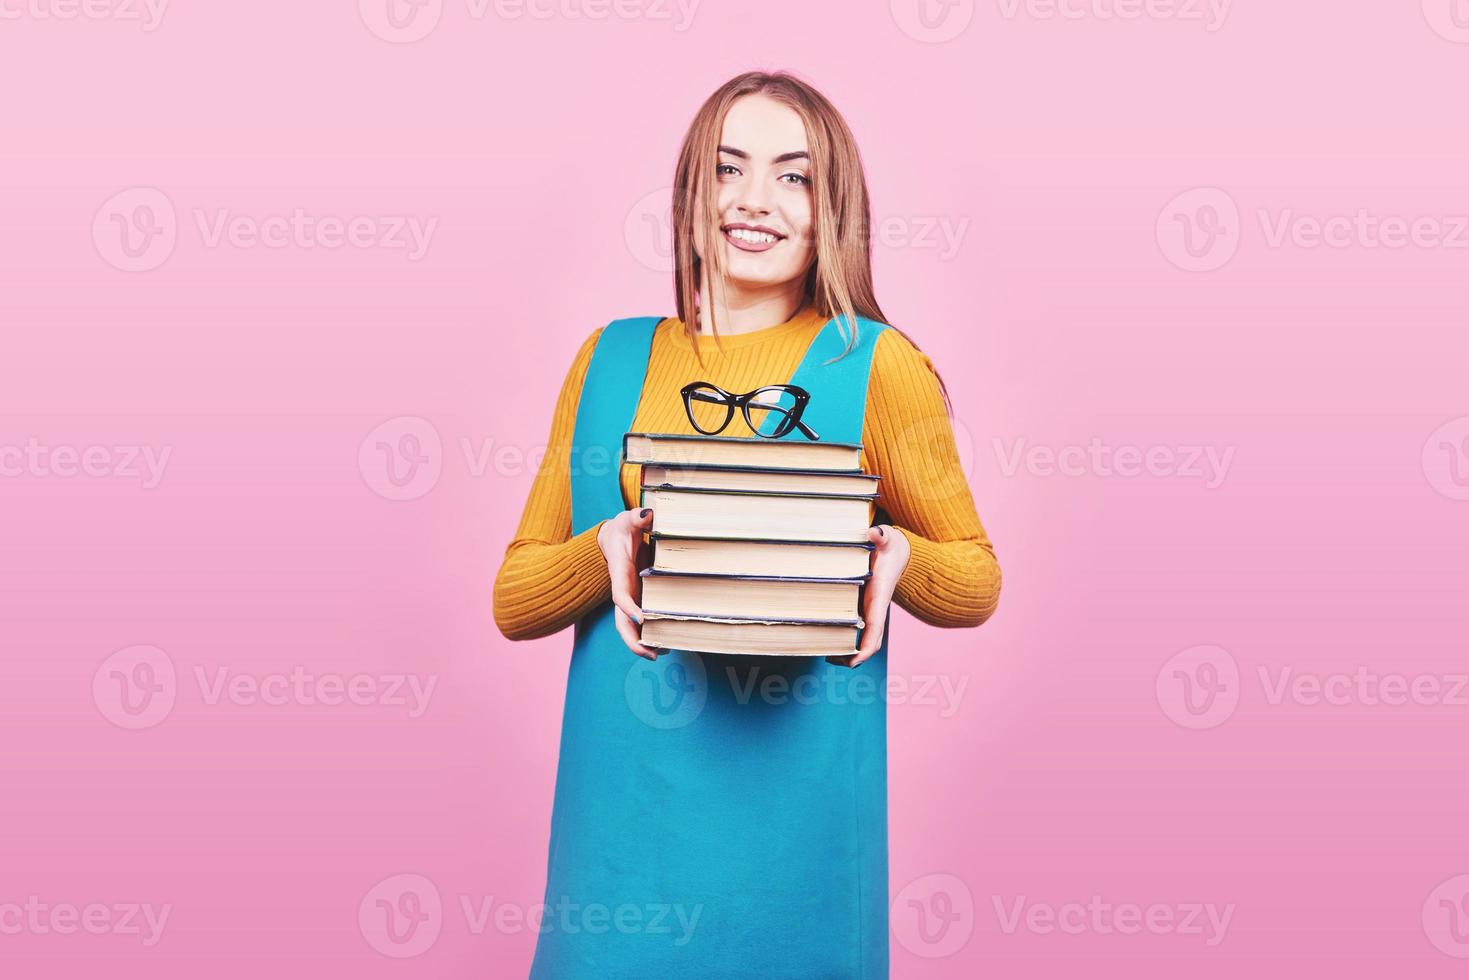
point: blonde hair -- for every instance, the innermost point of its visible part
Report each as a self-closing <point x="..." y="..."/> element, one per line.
<point x="839" y="282"/>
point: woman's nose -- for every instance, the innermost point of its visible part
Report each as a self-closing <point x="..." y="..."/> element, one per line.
<point x="752" y="201"/>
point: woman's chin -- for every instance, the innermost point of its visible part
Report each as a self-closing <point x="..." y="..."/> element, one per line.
<point x="747" y="269"/>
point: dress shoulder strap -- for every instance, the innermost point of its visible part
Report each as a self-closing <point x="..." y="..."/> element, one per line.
<point x="608" y="403"/>
<point x="837" y="379"/>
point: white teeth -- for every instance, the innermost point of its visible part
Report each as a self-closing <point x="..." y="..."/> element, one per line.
<point x="753" y="237"/>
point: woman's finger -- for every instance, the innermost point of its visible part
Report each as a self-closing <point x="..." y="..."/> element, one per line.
<point x="876" y="617"/>
<point x="621" y="541"/>
<point x="622" y="575"/>
<point x="876" y="596"/>
<point x="630" y="636"/>
<point x="623" y="600"/>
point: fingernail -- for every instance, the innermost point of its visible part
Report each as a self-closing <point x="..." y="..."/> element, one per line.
<point x="638" y="620"/>
<point x="646" y="512"/>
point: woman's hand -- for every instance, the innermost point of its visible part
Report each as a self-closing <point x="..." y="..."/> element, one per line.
<point x="889" y="559"/>
<point x="621" y="541"/>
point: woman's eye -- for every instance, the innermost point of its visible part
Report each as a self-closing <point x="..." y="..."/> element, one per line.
<point x="727" y="170"/>
<point x="799" y="179"/>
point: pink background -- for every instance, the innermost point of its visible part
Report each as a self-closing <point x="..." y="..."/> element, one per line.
<point x="1085" y="299"/>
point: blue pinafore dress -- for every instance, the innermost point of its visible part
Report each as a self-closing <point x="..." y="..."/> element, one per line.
<point x="716" y="816"/>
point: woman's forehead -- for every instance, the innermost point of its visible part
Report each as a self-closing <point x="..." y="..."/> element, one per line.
<point x="763" y="127"/>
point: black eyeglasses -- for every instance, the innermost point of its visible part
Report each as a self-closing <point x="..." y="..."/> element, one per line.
<point x="710" y="408"/>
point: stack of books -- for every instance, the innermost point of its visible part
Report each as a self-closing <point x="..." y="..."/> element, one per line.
<point x="759" y="545"/>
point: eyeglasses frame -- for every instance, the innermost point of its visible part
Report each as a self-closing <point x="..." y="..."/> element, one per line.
<point x="731" y="401"/>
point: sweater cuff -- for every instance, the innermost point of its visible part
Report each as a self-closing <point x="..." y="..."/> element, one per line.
<point x="586" y="562"/>
<point x="923" y="562"/>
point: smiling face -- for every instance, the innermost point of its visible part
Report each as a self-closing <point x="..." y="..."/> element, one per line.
<point x="763" y="189"/>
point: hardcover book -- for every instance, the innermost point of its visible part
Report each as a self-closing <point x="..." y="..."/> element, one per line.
<point x="761" y="556"/>
<point x="760" y="637"/>
<point x="750" y="596"/>
<point x="768" y="478"/>
<point x="759" y="545"/>
<point x="759" y="514"/>
<point x="682" y="450"/>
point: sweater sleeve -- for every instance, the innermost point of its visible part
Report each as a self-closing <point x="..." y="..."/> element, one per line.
<point x="550" y="578"/>
<point x="952" y="578"/>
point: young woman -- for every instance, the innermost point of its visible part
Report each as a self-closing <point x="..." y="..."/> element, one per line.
<point x="721" y="816"/>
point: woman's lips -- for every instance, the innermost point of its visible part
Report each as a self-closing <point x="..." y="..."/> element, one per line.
<point x="750" y="240"/>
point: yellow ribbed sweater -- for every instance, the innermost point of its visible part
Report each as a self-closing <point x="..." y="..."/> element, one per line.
<point x="550" y="578"/>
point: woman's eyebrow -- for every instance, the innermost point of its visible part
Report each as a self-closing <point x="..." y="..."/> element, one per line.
<point x="793" y="155"/>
